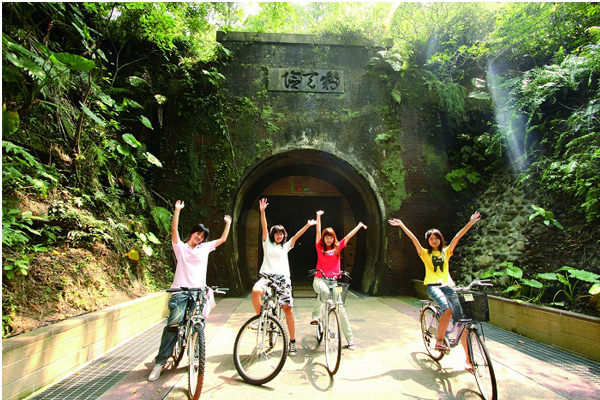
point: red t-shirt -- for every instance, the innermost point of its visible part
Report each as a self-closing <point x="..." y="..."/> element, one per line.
<point x="329" y="262"/>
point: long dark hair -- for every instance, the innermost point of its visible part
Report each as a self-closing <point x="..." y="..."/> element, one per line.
<point x="328" y="232"/>
<point x="276" y="229"/>
<point x="439" y="235"/>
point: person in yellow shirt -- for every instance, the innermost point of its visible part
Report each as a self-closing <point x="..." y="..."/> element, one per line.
<point x="438" y="281"/>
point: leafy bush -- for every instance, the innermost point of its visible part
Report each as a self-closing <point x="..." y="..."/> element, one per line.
<point x="514" y="284"/>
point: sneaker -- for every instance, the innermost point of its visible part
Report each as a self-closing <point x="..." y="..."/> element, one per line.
<point x="351" y="345"/>
<point x="292" y="352"/>
<point x="254" y="325"/>
<point x="155" y="374"/>
<point x="314" y="321"/>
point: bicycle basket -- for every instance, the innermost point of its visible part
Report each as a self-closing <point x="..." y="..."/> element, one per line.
<point x="474" y="305"/>
<point x="342" y="289"/>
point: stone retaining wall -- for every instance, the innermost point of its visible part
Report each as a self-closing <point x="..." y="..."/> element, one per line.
<point x="35" y="359"/>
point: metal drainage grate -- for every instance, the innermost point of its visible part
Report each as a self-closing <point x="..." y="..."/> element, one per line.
<point x="95" y="379"/>
<point x="584" y="368"/>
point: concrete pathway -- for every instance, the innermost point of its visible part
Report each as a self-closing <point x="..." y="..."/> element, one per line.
<point x="390" y="362"/>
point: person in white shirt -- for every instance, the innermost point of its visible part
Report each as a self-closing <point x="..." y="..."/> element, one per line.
<point x="276" y="265"/>
<point x="192" y="261"/>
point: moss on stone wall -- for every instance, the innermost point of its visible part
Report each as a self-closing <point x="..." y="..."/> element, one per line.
<point x="394" y="188"/>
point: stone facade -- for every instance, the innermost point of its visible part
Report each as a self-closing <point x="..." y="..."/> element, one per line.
<point x="345" y="140"/>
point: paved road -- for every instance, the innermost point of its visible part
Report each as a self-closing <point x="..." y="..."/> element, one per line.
<point x="389" y="363"/>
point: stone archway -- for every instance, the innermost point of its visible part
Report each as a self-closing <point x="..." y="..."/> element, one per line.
<point x="336" y="178"/>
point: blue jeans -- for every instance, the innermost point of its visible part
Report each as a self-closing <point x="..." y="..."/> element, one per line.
<point x="177" y="306"/>
<point x="445" y="297"/>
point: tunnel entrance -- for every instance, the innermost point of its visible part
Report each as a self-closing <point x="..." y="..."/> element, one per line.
<point x="292" y="212"/>
<point x="297" y="184"/>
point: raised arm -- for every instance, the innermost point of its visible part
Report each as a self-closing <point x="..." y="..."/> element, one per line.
<point x="225" y="233"/>
<point x="413" y="238"/>
<point x="353" y="231"/>
<point x="472" y="221"/>
<point x="318" y="236"/>
<point x="262" y="205"/>
<point x="309" y="223"/>
<point x="175" y="221"/>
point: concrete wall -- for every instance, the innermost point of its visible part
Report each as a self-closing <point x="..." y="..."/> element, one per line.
<point x="35" y="359"/>
<point x="570" y="331"/>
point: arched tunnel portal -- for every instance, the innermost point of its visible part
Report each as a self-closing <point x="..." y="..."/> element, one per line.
<point x="297" y="183"/>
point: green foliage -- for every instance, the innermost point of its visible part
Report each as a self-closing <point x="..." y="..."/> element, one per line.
<point x="546" y="216"/>
<point x="562" y="102"/>
<point x="569" y="278"/>
<point x="513" y="282"/>
<point x="394" y="186"/>
<point x="10" y="121"/>
<point x="162" y="218"/>
<point x="547" y="27"/>
<point x="460" y="178"/>
<point x="510" y="279"/>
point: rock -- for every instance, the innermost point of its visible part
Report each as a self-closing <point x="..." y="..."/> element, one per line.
<point x="485" y="261"/>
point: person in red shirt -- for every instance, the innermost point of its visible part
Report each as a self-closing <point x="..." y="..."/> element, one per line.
<point x="328" y="261"/>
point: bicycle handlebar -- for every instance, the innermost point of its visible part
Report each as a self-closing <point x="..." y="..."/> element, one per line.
<point x="482" y="282"/>
<point x="314" y="272"/>
<point x="216" y="289"/>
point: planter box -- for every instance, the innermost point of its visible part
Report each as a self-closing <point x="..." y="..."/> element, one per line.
<point x="38" y="358"/>
<point x="576" y="333"/>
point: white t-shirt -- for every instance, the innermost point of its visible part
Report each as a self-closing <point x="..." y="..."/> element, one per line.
<point x="191" y="264"/>
<point x="275" y="260"/>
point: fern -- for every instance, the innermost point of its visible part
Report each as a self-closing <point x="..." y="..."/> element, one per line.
<point x="162" y="218"/>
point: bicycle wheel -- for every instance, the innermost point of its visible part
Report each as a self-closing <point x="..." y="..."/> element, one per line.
<point x="179" y="347"/>
<point x="333" y="342"/>
<point x="259" y="354"/>
<point x="196" y="357"/>
<point x="482" y="366"/>
<point x="429" y="331"/>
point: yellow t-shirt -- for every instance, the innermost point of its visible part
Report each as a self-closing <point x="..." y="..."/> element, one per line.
<point x="436" y="266"/>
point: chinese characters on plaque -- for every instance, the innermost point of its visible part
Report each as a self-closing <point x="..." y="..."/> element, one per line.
<point x="306" y="80"/>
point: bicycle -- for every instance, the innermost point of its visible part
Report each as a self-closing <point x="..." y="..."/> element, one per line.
<point x="190" y="336"/>
<point x="475" y="311"/>
<point x="261" y="346"/>
<point x="328" y="325"/>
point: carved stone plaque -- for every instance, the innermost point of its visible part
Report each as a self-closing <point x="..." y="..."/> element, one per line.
<point x="306" y="80"/>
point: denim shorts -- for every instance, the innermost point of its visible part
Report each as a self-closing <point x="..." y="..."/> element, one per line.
<point x="445" y="297"/>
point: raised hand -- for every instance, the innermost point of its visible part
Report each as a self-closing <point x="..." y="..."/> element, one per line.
<point x="227" y="219"/>
<point x="311" y="222"/>
<point x="320" y="212"/>
<point x="262" y="204"/>
<point x="361" y="225"/>
<point x="395" y="222"/>
<point x="179" y="205"/>
<point x="475" y="217"/>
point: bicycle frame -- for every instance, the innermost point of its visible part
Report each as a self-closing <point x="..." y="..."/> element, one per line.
<point x="459" y="326"/>
<point x="325" y="330"/>
<point x="478" y="356"/>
